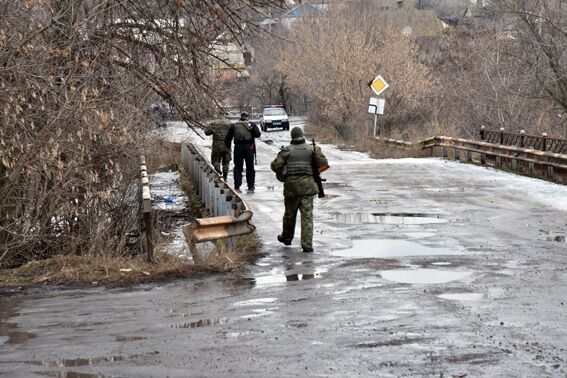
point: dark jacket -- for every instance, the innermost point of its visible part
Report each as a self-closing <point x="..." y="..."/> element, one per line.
<point x="243" y="132"/>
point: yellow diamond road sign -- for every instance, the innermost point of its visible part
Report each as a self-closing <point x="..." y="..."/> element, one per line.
<point x="379" y="85"/>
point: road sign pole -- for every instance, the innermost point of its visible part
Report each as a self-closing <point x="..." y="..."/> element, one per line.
<point x="375" y="122"/>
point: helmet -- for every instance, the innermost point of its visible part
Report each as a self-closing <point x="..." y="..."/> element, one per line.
<point x="296" y="133"/>
<point x="244" y="116"/>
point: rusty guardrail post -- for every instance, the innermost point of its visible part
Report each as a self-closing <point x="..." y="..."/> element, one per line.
<point x="147" y="209"/>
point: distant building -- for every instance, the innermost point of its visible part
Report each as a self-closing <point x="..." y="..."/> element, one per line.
<point x="301" y="10"/>
<point x="229" y="63"/>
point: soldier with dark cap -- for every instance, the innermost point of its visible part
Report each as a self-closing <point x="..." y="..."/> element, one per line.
<point x="299" y="186"/>
<point x="243" y="132"/>
<point x="218" y="128"/>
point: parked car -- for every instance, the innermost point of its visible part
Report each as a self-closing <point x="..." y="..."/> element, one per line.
<point x="274" y="116"/>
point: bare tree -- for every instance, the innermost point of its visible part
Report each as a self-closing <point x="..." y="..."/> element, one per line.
<point x="331" y="59"/>
<point x="493" y="75"/>
<point x="540" y="28"/>
<point x="76" y="77"/>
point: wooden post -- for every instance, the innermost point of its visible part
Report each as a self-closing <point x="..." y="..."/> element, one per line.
<point x="482" y="132"/>
<point x="522" y="138"/>
<point x="501" y="135"/>
<point x="544" y="142"/>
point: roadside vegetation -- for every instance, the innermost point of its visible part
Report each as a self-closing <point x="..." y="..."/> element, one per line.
<point x="129" y="267"/>
<point x="504" y="66"/>
<point x="77" y="79"/>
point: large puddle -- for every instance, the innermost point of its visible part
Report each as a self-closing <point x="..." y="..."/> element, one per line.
<point x="9" y="333"/>
<point x="424" y="276"/>
<point x="386" y="248"/>
<point x="388" y="218"/>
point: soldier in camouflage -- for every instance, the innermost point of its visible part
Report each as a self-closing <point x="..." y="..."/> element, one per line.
<point x="299" y="187"/>
<point x="218" y="128"/>
<point x="243" y="132"/>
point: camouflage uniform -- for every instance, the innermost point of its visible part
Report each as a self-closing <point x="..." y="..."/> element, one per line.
<point x="219" y="129"/>
<point x="299" y="187"/>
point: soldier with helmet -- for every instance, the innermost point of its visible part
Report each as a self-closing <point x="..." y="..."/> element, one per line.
<point x="243" y="132"/>
<point x="299" y="186"/>
<point x="218" y="128"/>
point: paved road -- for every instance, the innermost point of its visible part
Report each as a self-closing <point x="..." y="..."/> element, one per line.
<point x="421" y="268"/>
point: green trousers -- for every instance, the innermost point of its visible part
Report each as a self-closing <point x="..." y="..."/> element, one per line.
<point x="219" y="154"/>
<point x="305" y="206"/>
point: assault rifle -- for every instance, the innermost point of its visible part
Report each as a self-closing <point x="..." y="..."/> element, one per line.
<point x="316" y="172"/>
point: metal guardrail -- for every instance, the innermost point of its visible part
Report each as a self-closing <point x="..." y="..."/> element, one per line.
<point x="230" y="215"/>
<point x="527" y="161"/>
<point x="521" y="139"/>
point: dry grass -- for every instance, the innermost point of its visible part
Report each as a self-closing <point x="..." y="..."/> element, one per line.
<point x="104" y="269"/>
<point x="77" y="270"/>
<point x="218" y="257"/>
<point x="160" y="153"/>
<point x="189" y="189"/>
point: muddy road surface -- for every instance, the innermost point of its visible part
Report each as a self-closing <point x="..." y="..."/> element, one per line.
<point x="422" y="268"/>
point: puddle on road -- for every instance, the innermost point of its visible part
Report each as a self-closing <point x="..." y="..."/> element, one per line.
<point x="384" y="248"/>
<point x="125" y="339"/>
<point x="201" y="323"/>
<point x="277" y="279"/>
<point x="463" y="297"/>
<point x="423" y="276"/>
<point x="78" y="362"/>
<point x="388" y="218"/>
<point x="69" y="374"/>
<point x="255" y="302"/>
<point x="299" y="271"/>
<point x="9" y="332"/>
<point x="332" y="185"/>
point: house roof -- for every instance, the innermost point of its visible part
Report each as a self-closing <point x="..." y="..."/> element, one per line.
<point x="421" y="23"/>
<point x="302" y="10"/>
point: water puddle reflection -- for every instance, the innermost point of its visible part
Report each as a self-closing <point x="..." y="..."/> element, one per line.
<point x="423" y="276"/>
<point x="201" y="323"/>
<point x="71" y="374"/>
<point x="125" y="339"/>
<point x="272" y="280"/>
<point x="9" y="332"/>
<point x="332" y="185"/>
<point x="388" y="218"/>
<point x="255" y="302"/>
<point x="385" y="248"/>
<point x="78" y="362"/>
<point x="463" y="297"/>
